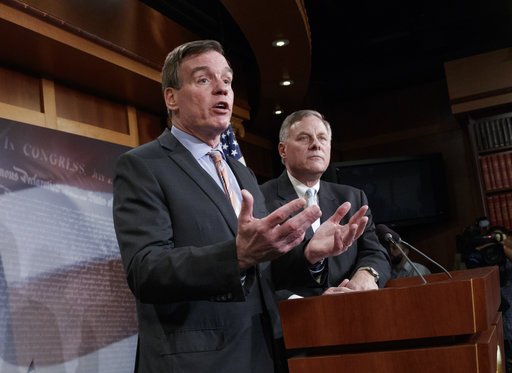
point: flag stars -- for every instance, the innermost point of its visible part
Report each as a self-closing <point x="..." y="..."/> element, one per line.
<point x="230" y="146"/>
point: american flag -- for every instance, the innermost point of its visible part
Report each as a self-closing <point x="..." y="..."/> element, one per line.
<point x="230" y="145"/>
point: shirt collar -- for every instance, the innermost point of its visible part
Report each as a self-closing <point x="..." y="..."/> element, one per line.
<point x="301" y="188"/>
<point x="195" y="146"/>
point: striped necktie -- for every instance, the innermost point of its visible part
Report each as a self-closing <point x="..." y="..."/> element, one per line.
<point x="310" y="201"/>
<point x="310" y="197"/>
<point x="223" y="175"/>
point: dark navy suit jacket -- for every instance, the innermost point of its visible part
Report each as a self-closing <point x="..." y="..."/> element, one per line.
<point x="366" y="251"/>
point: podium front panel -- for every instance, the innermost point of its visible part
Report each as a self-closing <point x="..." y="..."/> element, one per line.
<point x="464" y="305"/>
<point x="481" y="353"/>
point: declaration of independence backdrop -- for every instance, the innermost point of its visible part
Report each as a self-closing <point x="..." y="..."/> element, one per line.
<point x="64" y="302"/>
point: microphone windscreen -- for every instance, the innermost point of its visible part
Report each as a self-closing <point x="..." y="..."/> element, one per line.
<point x="382" y="230"/>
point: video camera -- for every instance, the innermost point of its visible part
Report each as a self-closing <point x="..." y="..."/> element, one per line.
<point x="482" y="245"/>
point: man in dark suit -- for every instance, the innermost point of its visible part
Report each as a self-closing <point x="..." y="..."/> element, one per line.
<point x="304" y="147"/>
<point x="197" y="262"/>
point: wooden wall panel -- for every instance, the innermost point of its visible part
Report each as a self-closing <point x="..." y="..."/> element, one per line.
<point x="149" y="126"/>
<point x="85" y="108"/>
<point x="20" y="90"/>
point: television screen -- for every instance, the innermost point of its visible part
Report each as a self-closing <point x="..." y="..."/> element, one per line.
<point x="401" y="191"/>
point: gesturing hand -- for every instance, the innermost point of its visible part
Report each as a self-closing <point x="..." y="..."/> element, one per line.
<point x="331" y="238"/>
<point x="260" y="240"/>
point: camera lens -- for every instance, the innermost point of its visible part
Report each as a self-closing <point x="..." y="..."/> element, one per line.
<point x="493" y="254"/>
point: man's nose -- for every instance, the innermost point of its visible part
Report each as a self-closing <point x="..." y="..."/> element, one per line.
<point x="315" y="143"/>
<point x="220" y="87"/>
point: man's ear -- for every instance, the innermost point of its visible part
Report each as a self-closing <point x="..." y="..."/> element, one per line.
<point x="281" y="148"/>
<point x="170" y="99"/>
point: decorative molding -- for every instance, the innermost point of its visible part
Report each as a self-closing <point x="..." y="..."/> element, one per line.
<point x="23" y="115"/>
<point x="49" y="103"/>
<point x="482" y="81"/>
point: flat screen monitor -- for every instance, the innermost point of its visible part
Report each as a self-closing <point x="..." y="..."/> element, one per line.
<point x="401" y="191"/>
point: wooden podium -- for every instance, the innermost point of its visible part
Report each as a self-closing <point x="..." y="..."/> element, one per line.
<point x="447" y="325"/>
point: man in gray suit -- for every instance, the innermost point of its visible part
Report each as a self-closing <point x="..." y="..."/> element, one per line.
<point x="305" y="147"/>
<point x="198" y="265"/>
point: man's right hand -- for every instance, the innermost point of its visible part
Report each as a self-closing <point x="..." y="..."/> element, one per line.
<point x="260" y="240"/>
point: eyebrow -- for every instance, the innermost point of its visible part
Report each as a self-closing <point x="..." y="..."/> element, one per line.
<point x="309" y="134"/>
<point x="206" y="68"/>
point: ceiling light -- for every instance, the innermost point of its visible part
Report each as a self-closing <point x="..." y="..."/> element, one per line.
<point x="280" y="43"/>
<point x="286" y="82"/>
<point x="278" y="111"/>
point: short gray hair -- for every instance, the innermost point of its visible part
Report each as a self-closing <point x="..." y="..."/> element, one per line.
<point x="298" y="116"/>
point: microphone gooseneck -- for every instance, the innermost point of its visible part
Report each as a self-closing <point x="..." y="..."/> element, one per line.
<point x="428" y="258"/>
<point x="388" y="235"/>
<point x="393" y="242"/>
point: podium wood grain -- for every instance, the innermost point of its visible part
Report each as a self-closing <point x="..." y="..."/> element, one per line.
<point x="446" y="325"/>
<point x="477" y="355"/>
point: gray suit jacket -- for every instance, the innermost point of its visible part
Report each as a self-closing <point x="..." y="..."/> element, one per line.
<point x="366" y="251"/>
<point x="176" y="232"/>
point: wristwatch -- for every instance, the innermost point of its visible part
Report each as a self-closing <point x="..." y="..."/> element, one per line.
<point x="372" y="271"/>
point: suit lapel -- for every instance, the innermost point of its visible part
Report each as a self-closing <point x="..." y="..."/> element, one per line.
<point x="184" y="160"/>
<point x="234" y="165"/>
<point x="285" y="190"/>
<point x="327" y="201"/>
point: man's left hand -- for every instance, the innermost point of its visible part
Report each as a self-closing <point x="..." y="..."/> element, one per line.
<point x="361" y="281"/>
<point x="331" y="238"/>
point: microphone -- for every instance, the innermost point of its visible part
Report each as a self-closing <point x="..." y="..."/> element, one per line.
<point x="388" y="235"/>
<point x="384" y="234"/>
